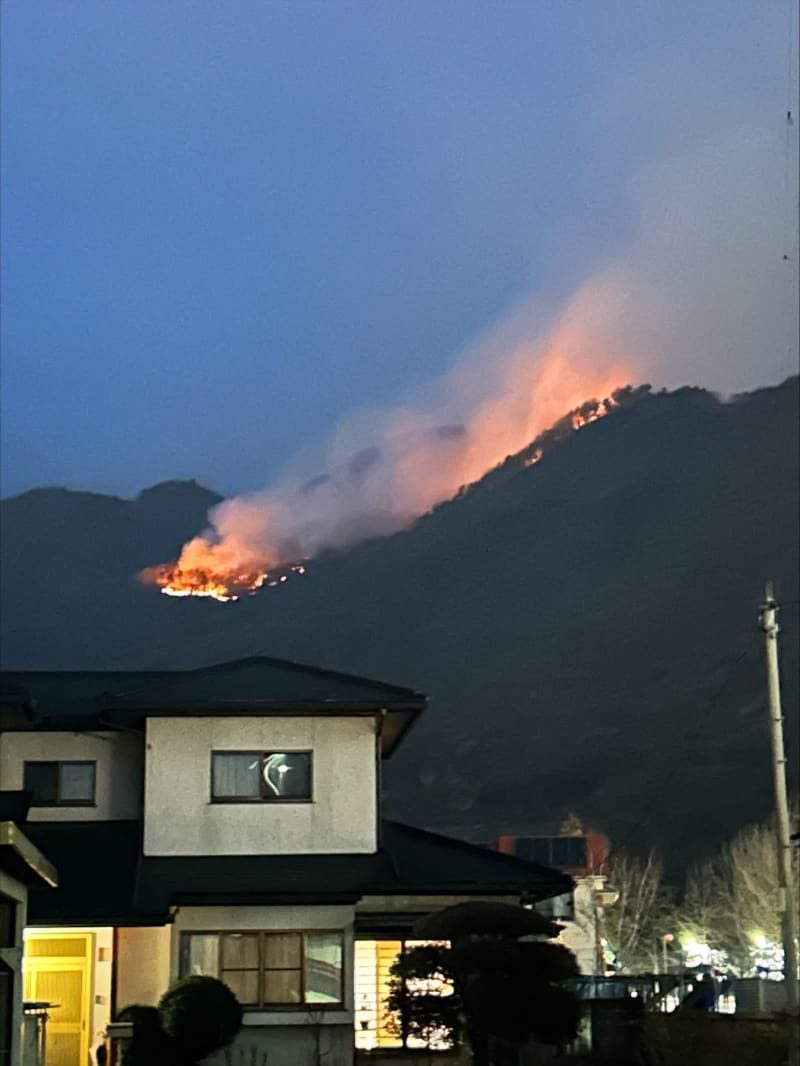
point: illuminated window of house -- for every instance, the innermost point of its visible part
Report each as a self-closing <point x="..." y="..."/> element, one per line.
<point x="60" y="784"/>
<point x="375" y="1025"/>
<point x="261" y="776"/>
<point x="269" y="970"/>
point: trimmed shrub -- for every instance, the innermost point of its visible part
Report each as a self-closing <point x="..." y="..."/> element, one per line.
<point x="148" y="1045"/>
<point x="199" y="1015"/>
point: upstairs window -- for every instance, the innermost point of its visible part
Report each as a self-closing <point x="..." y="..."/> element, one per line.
<point x="269" y="970"/>
<point x="261" y="776"/>
<point x="60" y="784"/>
<point x="562" y="852"/>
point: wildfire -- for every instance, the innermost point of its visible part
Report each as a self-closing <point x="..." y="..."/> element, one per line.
<point x="583" y="418"/>
<point x="227" y="569"/>
<point x="174" y="580"/>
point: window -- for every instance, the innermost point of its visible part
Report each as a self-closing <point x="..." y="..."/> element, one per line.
<point x="260" y="777"/>
<point x="270" y="971"/>
<point x="60" y="784"/>
<point x="564" y="853"/>
<point x="376" y="1026"/>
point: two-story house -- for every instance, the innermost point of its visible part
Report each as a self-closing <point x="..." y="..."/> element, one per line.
<point x="227" y="821"/>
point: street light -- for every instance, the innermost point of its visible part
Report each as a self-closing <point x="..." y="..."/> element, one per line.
<point x="667" y="938"/>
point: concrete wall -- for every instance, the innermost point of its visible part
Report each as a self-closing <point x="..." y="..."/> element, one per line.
<point x="180" y="818"/>
<point x="311" y="1045"/>
<point x="118" y="774"/>
<point x="143" y="965"/>
<point x="695" y="1038"/>
<point x="580" y="934"/>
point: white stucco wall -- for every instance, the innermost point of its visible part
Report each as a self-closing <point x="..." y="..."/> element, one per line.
<point x="143" y="965"/>
<point x="580" y="934"/>
<point x="180" y="818"/>
<point x="101" y="984"/>
<point x="118" y="780"/>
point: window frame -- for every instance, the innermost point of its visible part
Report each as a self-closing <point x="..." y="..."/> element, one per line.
<point x="262" y="1006"/>
<point x="59" y="764"/>
<point x="264" y="796"/>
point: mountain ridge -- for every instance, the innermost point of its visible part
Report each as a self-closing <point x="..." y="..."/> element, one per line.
<point x="585" y="626"/>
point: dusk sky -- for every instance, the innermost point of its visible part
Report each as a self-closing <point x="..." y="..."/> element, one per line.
<point x="225" y="225"/>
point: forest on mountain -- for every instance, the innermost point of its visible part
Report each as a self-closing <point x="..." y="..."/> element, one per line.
<point x="585" y="627"/>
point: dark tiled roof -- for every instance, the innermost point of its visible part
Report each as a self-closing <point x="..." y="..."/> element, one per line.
<point x="257" y="685"/>
<point x="104" y="877"/>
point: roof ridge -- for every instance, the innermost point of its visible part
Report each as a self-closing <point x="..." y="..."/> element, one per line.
<point x="307" y="668"/>
<point x="228" y="664"/>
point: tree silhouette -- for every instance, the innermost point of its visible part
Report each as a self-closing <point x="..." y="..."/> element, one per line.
<point x="501" y="984"/>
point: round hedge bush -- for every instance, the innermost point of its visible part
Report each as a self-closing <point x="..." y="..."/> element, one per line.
<point x="148" y="1045"/>
<point x="199" y="1015"/>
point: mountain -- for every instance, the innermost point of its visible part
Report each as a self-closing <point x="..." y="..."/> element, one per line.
<point x="586" y="626"/>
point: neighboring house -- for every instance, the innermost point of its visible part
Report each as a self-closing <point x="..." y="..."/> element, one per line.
<point x="584" y="857"/>
<point x="22" y="866"/>
<point x="227" y="821"/>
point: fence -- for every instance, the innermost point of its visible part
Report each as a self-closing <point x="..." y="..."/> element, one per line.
<point x="716" y="1039"/>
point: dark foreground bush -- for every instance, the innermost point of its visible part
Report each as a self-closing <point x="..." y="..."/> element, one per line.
<point x="195" y="1018"/>
<point x="199" y="1015"/>
<point x="148" y="1045"/>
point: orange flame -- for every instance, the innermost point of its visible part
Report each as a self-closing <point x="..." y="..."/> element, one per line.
<point x="213" y="569"/>
<point x="421" y="458"/>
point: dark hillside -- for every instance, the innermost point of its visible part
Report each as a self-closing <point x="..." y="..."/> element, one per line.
<point x="586" y="627"/>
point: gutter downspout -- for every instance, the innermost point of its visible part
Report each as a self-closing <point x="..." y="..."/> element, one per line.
<point x="379" y="726"/>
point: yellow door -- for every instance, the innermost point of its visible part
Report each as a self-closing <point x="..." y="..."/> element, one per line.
<point x="56" y="968"/>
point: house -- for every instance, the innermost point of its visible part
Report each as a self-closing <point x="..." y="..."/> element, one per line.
<point x="583" y="856"/>
<point x="227" y="821"/>
<point x="22" y="866"/>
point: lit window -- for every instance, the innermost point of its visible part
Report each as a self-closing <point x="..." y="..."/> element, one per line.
<point x="60" y="784"/>
<point x="260" y="777"/>
<point x="376" y="1026"/>
<point x="270" y="971"/>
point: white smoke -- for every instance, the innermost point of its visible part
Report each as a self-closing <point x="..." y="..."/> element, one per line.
<point x="705" y="294"/>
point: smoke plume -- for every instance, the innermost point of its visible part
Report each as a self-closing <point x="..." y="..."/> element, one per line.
<point x="704" y="294"/>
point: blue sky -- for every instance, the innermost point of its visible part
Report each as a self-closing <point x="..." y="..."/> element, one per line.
<point x="225" y="225"/>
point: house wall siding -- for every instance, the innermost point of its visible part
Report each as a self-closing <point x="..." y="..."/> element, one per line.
<point x="143" y="965"/>
<point x="180" y="818"/>
<point x="118" y="775"/>
<point x="307" y="1045"/>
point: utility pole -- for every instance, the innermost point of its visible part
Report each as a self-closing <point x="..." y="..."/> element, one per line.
<point x="769" y="625"/>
